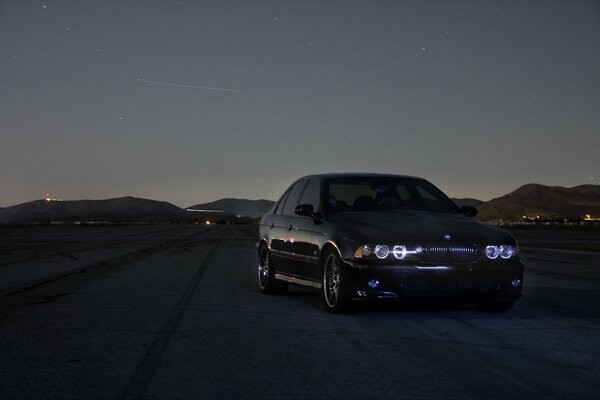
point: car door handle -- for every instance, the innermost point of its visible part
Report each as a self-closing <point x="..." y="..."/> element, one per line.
<point x="272" y="225"/>
<point x="289" y="227"/>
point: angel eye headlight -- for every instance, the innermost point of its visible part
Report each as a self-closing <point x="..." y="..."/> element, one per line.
<point x="400" y="251"/>
<point x="382" y="251"/>
<point x="492" y="252"/>
<point x="505" y="252"/>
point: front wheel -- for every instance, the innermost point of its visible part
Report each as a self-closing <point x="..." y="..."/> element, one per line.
<point x="266" y="275"/>
<point x="336" y="285"/>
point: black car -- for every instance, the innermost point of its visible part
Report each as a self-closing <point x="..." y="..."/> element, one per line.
<point x="376" y="236"/>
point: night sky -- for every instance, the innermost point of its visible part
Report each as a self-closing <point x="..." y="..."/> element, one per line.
<point x="192" y="101"/>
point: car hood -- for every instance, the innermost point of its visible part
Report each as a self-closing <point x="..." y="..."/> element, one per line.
<point x="417" y="227"/>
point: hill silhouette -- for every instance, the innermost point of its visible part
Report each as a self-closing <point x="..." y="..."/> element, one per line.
<point x="546" y="201"/>
<point x="119" y="209"/>
<point x="530" y="200"/>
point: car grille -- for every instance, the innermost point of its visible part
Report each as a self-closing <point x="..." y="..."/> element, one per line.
<point x="449" y="253"/>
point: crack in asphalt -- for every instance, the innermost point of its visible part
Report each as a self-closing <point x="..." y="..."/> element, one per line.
<point x="117" y="241"/>
<point x="151" y="360"/>
<point x="118" y="260"/>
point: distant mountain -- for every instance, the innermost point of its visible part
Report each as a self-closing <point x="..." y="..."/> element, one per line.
<point x="546" y="201"/>
<point x="248" y="208"/>
<point x="119" y="209"/>
<point x="468" y="202"/>
<point x="530" y="200"/>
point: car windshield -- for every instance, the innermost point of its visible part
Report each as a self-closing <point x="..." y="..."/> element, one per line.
<point x="384" y="193"/>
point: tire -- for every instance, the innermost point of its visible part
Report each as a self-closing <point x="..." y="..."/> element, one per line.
<point x="266" y="275"/>
<point x="337" y="293"/>
<point x="495" y="306"/>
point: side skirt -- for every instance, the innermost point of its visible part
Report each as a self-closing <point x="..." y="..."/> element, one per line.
<point x="297" y="281"/>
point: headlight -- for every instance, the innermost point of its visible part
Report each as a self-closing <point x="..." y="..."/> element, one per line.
<point x="363" y="251"/>
<point x="492" y="252"/>
<point x="506" y="252"/>
<point x="366" y="250"/>
<point x="382" y="251"/>
<point x="503" y="251"/>
<point x="400" y="252"/>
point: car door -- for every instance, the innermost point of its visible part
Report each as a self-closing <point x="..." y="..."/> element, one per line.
<point x="303" y="228"/>
<point x="283" y="239"/>
<point x="277" y="228"/>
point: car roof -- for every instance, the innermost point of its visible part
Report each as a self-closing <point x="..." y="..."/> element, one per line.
<point x="357" y="175"/>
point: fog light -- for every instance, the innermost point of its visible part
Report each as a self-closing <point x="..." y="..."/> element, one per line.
<point x="516" y="282"/>
<point x="373" y="283"/>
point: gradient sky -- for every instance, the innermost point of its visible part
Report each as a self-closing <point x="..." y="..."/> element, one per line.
<point x="102" y="99"/>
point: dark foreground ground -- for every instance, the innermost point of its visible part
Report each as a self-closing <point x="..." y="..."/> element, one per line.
<point x="168" y="312"/>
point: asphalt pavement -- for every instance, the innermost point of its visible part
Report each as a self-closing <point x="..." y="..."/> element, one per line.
<point x="174" y="312"/>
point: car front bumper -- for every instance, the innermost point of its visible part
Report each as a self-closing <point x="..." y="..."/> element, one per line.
<point x="478" y="281"/>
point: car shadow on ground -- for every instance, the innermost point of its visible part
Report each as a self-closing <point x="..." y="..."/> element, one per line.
<point x="312" y="298"/>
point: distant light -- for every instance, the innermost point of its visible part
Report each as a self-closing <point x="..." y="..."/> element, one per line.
<point x="50" y="198"/>
<point x="207" y="222"/>
<point x="588" y="217"/>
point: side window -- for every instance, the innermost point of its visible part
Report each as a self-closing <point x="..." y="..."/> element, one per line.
<point x="403" y="192"/>
<point x="312" y="194"/>
<point x="281" y="202"/>
<point x="430" y="200"/>
<point x="294" y="198"/>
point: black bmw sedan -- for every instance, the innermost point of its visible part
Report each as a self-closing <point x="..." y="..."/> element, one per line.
<point x="376" y="236"/>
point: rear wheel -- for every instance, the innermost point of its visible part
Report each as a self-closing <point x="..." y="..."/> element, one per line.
<point x="336" y="284"/>
<point x="266" y="275"/>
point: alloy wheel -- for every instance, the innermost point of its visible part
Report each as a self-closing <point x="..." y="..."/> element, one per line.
<point x="331" y="284"/>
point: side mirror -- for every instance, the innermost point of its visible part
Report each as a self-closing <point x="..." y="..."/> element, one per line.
<point x="468" y="211"/>
<point x="305" y="210"/>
